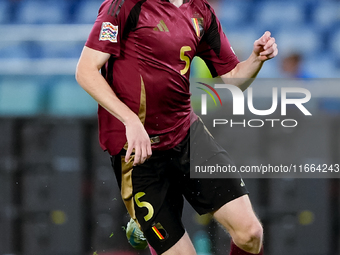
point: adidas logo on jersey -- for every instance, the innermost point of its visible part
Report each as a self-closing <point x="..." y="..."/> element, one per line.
<point x="161" y="27"/>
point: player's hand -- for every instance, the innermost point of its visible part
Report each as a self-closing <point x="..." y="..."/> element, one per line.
<point x="139" y="140"/>
<point x="265" y="47"/>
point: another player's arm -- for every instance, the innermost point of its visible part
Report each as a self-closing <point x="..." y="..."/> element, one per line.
<point x="264" y="48"/>
<point x="89" y="78"/>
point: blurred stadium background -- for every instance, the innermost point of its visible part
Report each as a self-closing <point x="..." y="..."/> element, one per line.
<point x="58" y="195"/>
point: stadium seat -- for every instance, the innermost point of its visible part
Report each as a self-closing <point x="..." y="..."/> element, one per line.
<point x="4" y="9"/>
<point x="64" y="49"/>
<point x="19" y="96"/>
<point x="67" y="98"/>
<point x="321" y="66"/>
<point x="87" y="12"/>
<point x="242" y="40"/>
<point x="325" y="14"/>
<point x="19" y="50"/>
<point x="42" y="12"/>
<point x="335" y="43"/>
<point x="13" y="50"/>
<point x="279" y="14"/>
<point x="233" y="13"/>
<point x="301" y="39"/>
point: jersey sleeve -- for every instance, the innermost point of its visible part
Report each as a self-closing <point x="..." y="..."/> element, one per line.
<point x="106" y="33"/>
<point x="215" y="49"/>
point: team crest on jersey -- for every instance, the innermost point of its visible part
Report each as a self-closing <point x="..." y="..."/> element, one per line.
<point x="198" y="26"/>
<point x="108" y="32"/>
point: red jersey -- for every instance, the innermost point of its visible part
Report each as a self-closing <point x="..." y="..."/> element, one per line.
<point x="152" y="43"/>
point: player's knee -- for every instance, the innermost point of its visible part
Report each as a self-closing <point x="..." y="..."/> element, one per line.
<point x="250" y="240"/>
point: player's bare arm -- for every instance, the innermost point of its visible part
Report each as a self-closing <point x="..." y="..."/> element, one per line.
<point x="264" y="49"/>
<point x="89" y="78"/>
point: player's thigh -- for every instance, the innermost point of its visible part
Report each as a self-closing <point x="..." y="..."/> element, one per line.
<point x="153" y="200"/>
<point x="206" y="194"/>
<point x="238" y="217"/>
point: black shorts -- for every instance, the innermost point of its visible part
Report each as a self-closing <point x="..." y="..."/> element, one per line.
<point x="153" y="192"/>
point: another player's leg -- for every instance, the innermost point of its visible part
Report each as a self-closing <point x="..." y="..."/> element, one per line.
<point x="238" y="217"/>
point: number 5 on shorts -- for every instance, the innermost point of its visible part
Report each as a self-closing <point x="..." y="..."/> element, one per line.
<point x="144" y="204"/>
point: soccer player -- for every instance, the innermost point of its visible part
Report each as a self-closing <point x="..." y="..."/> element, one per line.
<point x="144" y="49"/>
